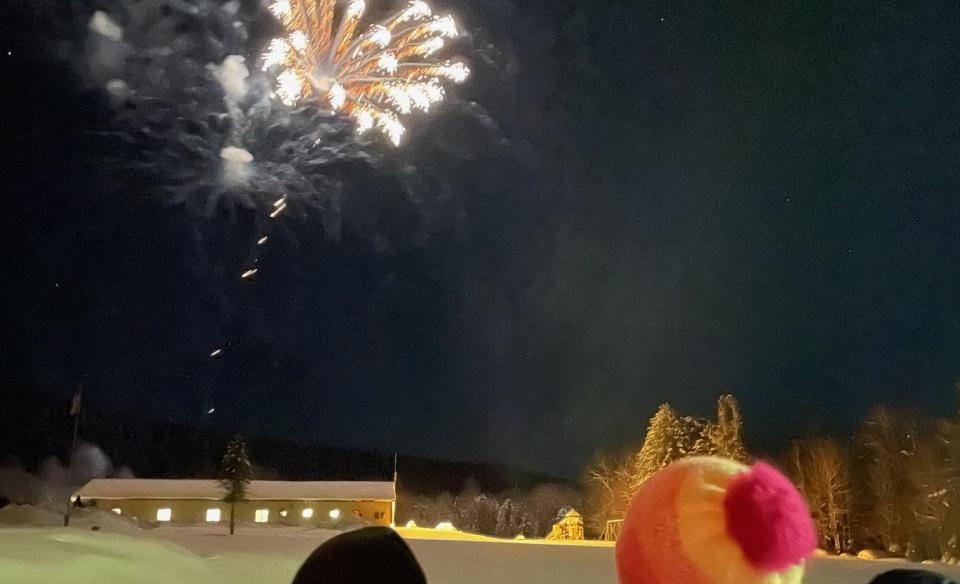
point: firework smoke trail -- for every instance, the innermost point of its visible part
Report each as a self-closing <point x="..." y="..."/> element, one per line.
<point x="197" y="122"/>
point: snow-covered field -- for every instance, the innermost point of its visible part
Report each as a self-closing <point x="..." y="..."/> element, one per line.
<point x="120" y="553"/>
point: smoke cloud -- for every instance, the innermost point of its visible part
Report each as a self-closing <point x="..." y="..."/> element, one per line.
<point x="194" y="123"/>
<point x="53" y="482"/>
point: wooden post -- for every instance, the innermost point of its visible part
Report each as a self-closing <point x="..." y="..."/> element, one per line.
<point x="76" y="406"/>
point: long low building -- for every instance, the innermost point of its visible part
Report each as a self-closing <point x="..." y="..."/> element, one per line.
<point x="198" y="501"/>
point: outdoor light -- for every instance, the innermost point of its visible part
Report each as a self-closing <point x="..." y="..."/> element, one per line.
<point x="307" y="513"/>
<point x="283" y="513"/>
<point x="334" y="514"/>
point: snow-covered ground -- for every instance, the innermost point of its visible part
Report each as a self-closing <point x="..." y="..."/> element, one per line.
<point x="33" y="552"/>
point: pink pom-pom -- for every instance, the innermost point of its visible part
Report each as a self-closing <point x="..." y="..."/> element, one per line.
<point x="769" y="519"/>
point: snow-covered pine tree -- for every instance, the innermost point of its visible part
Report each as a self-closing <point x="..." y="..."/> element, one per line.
<point x="661" y="446"/>
<point x="726" y="435"/>
<point x="235" y="475"/>
<point x="694" y="437"/>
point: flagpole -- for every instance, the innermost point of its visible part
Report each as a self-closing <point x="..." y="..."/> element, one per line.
<point x="78" y="401"/>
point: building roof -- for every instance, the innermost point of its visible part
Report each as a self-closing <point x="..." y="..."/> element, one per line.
<point x="256" y="491"/>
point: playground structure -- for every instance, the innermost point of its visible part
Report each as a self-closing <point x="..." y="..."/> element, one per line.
<point x="611" y="531"/>
<point x="570" y="527"/>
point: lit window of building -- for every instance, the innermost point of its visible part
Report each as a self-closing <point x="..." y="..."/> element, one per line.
<point x="213" y="515"/>
<point x="117" y="510"/>
<point x="261" y="515"/>
<point x="164" y="514"/>
<point x="307" y="513"/>
<point x="283" y="513"/>
<point x="334" y="514"/>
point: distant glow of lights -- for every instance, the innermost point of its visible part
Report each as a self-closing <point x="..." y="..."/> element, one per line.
<point x="372" y="74"/>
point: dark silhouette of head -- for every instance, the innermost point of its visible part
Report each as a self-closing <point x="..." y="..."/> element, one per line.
<point x="365" y="556"/>
<point x="911" y="577"/>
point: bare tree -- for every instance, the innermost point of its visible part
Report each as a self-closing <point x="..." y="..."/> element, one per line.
<point x="889" y="441"/>
<point x="607" y="490"/>
<point x="821" y="469"/>
<point x="931" y="504"/>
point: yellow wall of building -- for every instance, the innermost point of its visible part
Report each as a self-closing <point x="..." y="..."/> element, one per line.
<point x="194" y="511"/>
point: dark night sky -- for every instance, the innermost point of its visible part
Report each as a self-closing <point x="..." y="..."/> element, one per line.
<point x="696" y="197"/>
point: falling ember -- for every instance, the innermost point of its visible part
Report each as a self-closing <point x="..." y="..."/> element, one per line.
<point x="372" y="75"/>
<point x="262" y="240"/>
<point x="216" y="352"/>
<point x="249" y="273"/>
<point x="276" y="212"/>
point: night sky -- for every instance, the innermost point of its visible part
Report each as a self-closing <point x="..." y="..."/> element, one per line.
<point x="662" y="201"/>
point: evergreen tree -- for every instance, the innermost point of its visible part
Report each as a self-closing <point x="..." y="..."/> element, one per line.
<point x="661" y="446"/>
<point x="693" y="437"/>
<point x="726" y="436"/>
<point x="235" y="474"/>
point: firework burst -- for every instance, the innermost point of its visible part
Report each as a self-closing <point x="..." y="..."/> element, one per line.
<point x="375" y="76"/>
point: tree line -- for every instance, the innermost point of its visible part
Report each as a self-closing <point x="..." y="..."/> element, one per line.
<point x="611" y="480"/>
<point x="516" y="512"/>
<point x="893" y="487"/>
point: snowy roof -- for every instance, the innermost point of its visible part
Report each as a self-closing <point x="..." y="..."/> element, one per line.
<point x="257" y="490"/>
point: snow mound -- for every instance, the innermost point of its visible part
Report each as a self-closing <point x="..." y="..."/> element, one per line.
<point x="66" y="555"/>
<point x="87" y="519"/>
<point x="874" y="555"/>
<point x="29" y="516"/>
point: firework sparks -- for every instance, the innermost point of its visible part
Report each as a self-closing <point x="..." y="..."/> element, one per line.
<point x="263" y="240"/>
<point x="373" y="76"/>
<point x="249" y="273"/>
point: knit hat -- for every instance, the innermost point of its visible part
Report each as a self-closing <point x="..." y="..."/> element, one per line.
<point x="709" y="520"/>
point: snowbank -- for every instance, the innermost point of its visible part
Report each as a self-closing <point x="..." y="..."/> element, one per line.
<point x="47" y="516"/>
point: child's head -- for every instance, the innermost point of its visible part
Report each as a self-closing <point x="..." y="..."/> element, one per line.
<point x="709" y="520"/>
